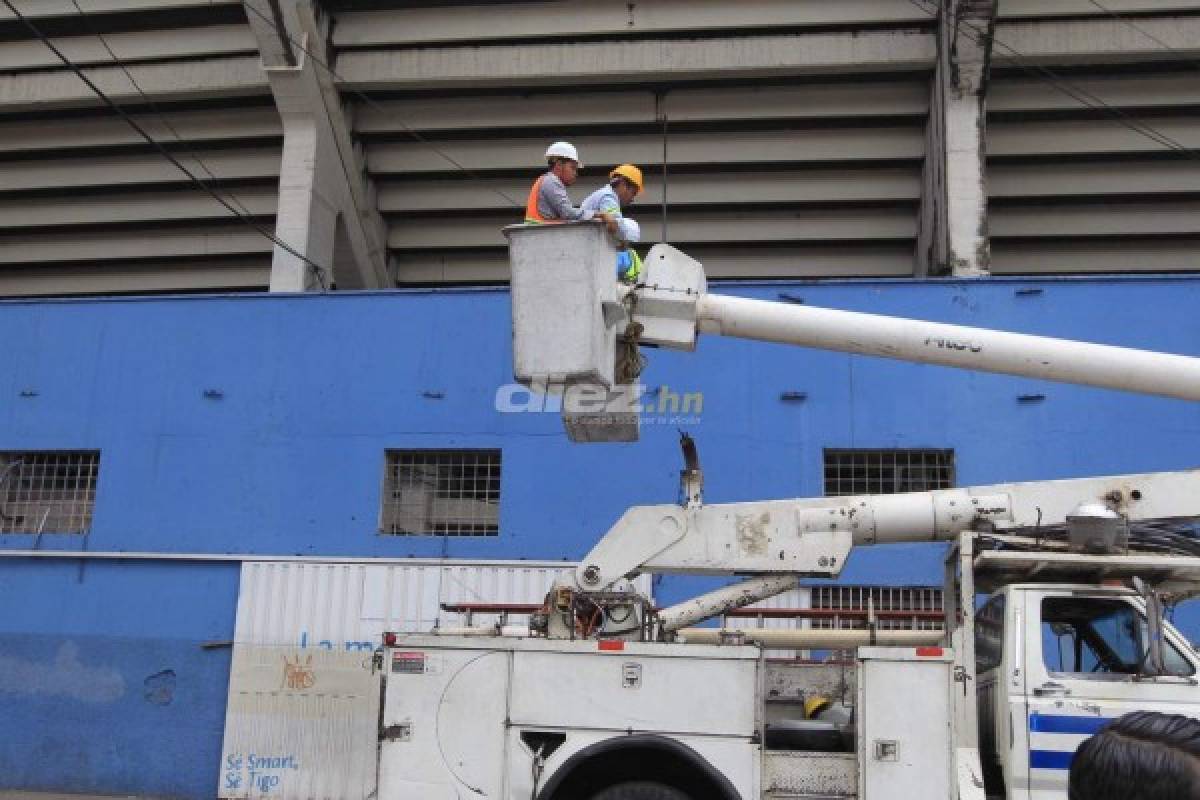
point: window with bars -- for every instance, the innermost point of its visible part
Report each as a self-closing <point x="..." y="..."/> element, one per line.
<point x="916" y="608"/>
<point x="850" y="472"/>
<point x="441" y="493"/>
<point x="47" y="491"/>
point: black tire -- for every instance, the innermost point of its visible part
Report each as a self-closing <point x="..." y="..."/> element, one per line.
<point x="640" y="790"/>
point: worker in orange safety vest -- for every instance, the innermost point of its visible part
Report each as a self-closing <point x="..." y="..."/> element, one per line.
<point x="548" y="200"/>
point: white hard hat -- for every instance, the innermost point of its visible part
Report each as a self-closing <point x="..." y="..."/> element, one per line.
<point x="564" y="150"/>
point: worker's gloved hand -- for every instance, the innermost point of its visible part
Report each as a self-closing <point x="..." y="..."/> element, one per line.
<point x="610" y="221"/>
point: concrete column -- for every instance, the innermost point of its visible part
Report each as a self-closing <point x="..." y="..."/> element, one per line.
<point x="305" y="218"/>
<point x="952" y="235"/>
<point x="327" y="211"/>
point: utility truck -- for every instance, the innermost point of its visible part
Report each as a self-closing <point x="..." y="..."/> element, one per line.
<point x="606" y="697"/>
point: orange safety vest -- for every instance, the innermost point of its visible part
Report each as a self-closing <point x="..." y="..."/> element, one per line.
<point x="532" y="215"/>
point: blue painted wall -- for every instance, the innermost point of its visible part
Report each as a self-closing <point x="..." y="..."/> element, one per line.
<point x="103" y="669"/>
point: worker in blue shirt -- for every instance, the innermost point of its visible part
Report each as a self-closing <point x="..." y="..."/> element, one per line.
<point x="624" y="184"/>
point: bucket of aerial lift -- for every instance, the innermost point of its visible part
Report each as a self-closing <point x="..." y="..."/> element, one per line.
<point x="563" y="278"/>
<point x="565" y="318"/>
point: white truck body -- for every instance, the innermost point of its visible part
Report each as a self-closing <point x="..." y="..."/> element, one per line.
<point x="464" y="716"/>
<point x="467" y="721"/>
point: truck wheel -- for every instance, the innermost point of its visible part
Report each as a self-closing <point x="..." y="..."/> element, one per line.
<point x="640" y="790"/>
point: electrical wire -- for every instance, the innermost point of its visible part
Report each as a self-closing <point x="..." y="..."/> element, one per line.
<point x="1176" y="536"/>
<point x="1073" y="91"/>
<point x="162" y="118"/>
<point x="1143" y="31"/>
<point x="370" y="101"/>
<point x="318" y="271"/>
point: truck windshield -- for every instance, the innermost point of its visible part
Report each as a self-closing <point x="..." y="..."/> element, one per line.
<point x="1099" y="637"/>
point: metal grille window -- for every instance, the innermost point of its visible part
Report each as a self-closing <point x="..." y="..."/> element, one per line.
<point x="441" y="493"/>
<point x="47" y="491"/>
<point x="896" y="607"/>
<point x="850" y="472"/>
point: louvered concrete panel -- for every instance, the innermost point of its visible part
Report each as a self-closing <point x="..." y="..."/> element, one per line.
<point x="743" y="104"/>
<point x="1086" y="137"/>
<point x="1020" y="93"/>
<point x="486" y="113"/>
<point x="130" y="48"/>
<point x="850" y="259"/>
<point x="107" y="130"/>
<point x="1120" y="201"/>
<point x="581" y="63"/>
<point x="1084" y="8"/>
<point x="582" y="18"/>
<point x="1062" y="255"/>
<point x="35" y="248"/>
<point x="1108" y="178"/>
<point x="780" y="187"/>
<point x="137" y="170"/>
<point x="65" y="8"/>
<point x="811" y="225"/>
<point x="1096" y="219"/>
<point x="817" y="99"/>
<point x="203" y="79"/>
<point x="184" y="204"/>
<point x="122" y="277"/>
<point x="835" y="260"/>
<point x="740" y="147"/>
<point x="1097" y="41"/>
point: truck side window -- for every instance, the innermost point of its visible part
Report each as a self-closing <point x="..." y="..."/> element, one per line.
<point x="1099" y="637"/>
<point x="989" y="635"/>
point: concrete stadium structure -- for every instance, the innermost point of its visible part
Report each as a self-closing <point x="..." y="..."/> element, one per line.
<point x="798" y="139"/>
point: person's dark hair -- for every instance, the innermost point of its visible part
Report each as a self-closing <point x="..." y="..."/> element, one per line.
<point x="1140" y="756"/>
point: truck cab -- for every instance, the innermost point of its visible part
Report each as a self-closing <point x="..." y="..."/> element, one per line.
<point x="1054" y="663"/>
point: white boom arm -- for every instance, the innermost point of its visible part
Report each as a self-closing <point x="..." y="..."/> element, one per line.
<point x="782" y="540"/>
<point x="665" y="313"/>
<point x="1061" y="360"/>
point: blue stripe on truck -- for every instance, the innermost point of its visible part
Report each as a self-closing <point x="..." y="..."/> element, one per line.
<point x="1050" y="759"/>
<point x="1060" y="723"/>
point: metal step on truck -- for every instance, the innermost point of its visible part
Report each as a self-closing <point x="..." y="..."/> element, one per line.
<point x="605" y="697"/>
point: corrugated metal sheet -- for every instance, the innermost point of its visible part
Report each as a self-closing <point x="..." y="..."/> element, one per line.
<point x="302" y="694"/>
<point x="348" y="606"/>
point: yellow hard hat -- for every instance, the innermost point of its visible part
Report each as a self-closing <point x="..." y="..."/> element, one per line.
<point x="630" y="173"/>
<point x="815" y="705"/>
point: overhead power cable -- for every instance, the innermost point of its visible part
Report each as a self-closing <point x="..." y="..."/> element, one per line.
<point x="318" y="271"/>
<point x="1143" y="31"/>
<point x="374" y="104"/>
<point x="162" y="118"/>
<point x="1073" y="91"/>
